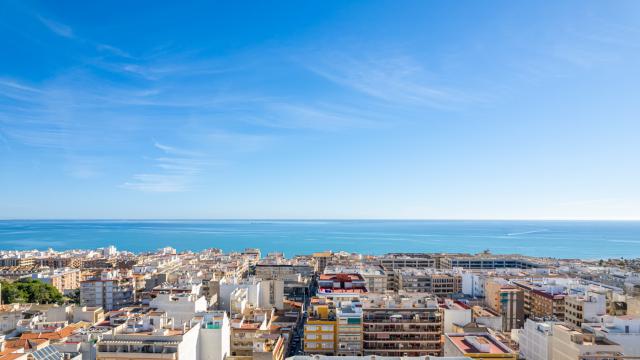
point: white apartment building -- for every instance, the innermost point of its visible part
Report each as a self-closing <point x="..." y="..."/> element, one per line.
<point x="473" y="283"/>
<point x="215" y="336"/>
<point x="535" y="340"/>
<point x="584" y="308"/>
<point x="624" y="330"/>
<point x="181" y="307"/>
<point x="259" y="293"/>
<point x="570" y="344"/>
<point x="455" y="313"/>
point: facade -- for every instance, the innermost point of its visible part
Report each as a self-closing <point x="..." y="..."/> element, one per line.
<point x="109" y="292"/>
<point x="542" y="301"/>
<point x="483" y="261"/>
<point x="535" y="340"/>
<point x="181" y="307"/>
<point x="243" y="335"/>
<point x="348" y="284"/>
<point x="65" y="280"/>
<point x="427" y="280"/>
<point x="320" y="336"/>
<point x="570" y="344"/>
<point x="401" y="261"/>
<point x="623" y="330"/>
<point x="322" y="259"/>
<point x="508" y="301"/>
<point x="487" y="317"/>
<point x="455" y="314"/>
<point x="402" y="325"/>
<point x="150" y="342"/>
<point x="334" y="326"/>
<point x="374" y="275"/>
<point x="584" y="308"/>
<point x="349" y="328"/>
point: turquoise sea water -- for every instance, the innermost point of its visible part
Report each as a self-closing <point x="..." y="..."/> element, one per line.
<point x="563" y="239"/>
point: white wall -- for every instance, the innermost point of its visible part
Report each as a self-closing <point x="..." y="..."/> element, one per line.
<point x="455" y="316"/>
<point x="181" y="308"/>
<point x="215" y="344"/>
<point x="535" y="341"/>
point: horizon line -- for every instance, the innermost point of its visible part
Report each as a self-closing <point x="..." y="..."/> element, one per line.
<point x="325" y="219"/>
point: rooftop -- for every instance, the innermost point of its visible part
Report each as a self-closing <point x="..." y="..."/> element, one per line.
<point x="478" y="344"/>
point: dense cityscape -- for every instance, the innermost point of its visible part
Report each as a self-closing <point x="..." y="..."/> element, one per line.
<point x="106" y="304"/>
<point x="320" y="180"/>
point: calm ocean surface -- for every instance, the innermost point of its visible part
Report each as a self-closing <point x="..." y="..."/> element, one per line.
<point x="564" y="239"/>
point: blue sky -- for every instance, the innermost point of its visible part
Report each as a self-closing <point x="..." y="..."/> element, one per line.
<point x="320" y="109"/>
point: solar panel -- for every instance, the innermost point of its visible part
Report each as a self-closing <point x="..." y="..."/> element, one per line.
<point x="47" y="353"/>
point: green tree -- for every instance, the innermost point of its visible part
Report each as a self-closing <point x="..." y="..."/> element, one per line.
<point x="30" y="290"/>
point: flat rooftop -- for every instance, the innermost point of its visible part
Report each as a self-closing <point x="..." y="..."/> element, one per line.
<point x="478" y="344"/>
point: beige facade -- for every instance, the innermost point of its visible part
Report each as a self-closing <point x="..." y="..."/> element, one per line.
<point x="402" y="325"/>
<point x="506" y="300"/>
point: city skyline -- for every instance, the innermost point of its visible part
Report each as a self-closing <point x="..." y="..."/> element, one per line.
<point x="381" y="110"/>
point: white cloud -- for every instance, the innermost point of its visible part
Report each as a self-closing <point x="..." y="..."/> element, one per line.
<point x="58" y="28"/>
<point x="395" y="80"/>
<point x="176" y="171"/>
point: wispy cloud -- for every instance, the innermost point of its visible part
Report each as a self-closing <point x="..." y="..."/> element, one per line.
<point x="176" y="171"/>
<point x="112" y="50"/>
<point x="66" y="31"/>
<point x="396" y="80"/>
<point x="320" y="117"/>
<point x="58" y="28"/>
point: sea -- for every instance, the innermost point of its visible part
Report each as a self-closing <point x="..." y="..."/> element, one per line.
<point x="559" y="239"/>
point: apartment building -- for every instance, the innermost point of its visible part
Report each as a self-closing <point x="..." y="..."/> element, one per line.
<point x="480" y="346"/>
<point x="487" y="317"/>
<point x="507" y="300"/>
<point x="17" y="261"/>
<point x="374" y="275"/>
<point x="215" y="335"/>
<point x="320" y="334"/>
<point x="334" y="284"/>
<point x="584" y="308"/>
<point x="455" y="314"/>
<point x="623" y="330"/>
<point x="488" y="261"/>
<point x="542" y="301"/>
<point x="235" y="293"/>
<point x="572" y="344"/>
<point x="349" y="328"/>
<point x="181" y="307"/>
<point x="334" y="326"/>
<point x="409" y="260"/>
<point x="154" y="339"/>
<point x="535" y="340"/>
<point x="56" y="262"/>
<point x="65" y="280"/>
<point x="322" y="259"/>
<point x="427" y="280"/>
<point x="110" y="291"/>
<point x="268" y="347"/>
<point x="405" y="324"/>
<point x="243" y="334"/>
